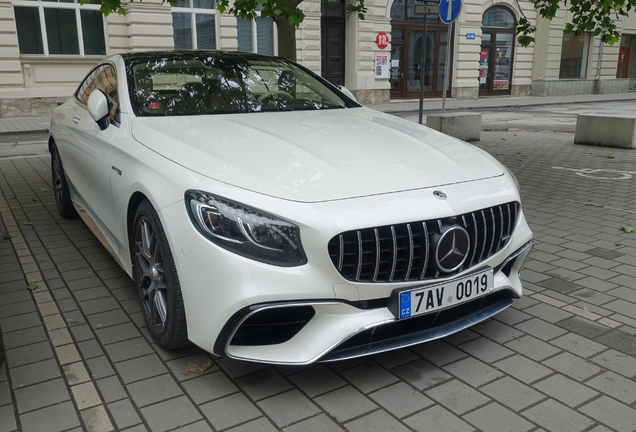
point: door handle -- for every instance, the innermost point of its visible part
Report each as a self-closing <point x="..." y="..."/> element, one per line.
<point x="76" y="120"/>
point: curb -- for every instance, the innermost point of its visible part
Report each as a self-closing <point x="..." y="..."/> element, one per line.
<point x="23" y="132"/>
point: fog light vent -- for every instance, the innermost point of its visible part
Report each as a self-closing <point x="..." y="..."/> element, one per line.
<point x="272" y="326"/>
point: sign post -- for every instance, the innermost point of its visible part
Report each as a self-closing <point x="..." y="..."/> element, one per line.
<point x="448" y="12"/>
<point x="424" y="9"/>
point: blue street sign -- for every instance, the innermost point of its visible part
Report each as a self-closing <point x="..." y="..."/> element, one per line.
<point x="449" y="10"/>
<point x="470" y="36"/>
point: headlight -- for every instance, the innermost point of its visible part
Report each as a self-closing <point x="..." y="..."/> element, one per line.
<point x="244" y="230"/>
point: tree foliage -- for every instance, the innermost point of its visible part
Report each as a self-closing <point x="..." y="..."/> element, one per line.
<point x="596" y="16"/>
<point x="277" y="9"/>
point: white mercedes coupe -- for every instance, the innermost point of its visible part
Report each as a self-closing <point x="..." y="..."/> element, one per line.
<point x="266" y="216"/>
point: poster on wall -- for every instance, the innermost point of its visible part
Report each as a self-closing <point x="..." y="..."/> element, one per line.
<point x="382" y="65"/>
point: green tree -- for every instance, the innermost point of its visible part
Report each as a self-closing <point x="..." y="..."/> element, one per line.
<point x="285" y="14"/>
<point x="596" y="16"/>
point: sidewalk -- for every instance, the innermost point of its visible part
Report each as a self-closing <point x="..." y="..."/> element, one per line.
<point x="41" y="124"/>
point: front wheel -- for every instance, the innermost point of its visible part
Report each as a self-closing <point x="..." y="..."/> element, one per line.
<point x="157" y="281"/>
<point x="60" y="186"/>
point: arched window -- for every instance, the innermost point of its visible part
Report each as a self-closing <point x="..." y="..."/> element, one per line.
<point x="498" y="17"/>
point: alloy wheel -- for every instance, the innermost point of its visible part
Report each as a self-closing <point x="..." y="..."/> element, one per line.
<point x="150" y="274"/>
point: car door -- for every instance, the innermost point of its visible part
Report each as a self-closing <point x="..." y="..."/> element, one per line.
<point x="88" y="151"/>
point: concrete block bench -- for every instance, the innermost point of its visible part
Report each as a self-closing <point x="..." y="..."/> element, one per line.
<point x="606" y="130"/>
<point x="465" y="126"/>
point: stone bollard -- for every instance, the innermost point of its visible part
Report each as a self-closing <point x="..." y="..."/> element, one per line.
<point x="606" y="130"/>
<point x="465" y="126"/>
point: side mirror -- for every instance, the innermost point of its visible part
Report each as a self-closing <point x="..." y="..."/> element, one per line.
<point x="98" y="108"/>
<point x="347" y="93"/>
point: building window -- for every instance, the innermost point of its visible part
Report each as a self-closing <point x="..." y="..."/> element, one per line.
<point x="256" y="35"/>
<point x="194" y="24"/>
<point x="574" y="53"/>
<point x="68" y="28"/>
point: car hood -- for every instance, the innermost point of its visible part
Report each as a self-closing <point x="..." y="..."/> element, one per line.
<point x="313" y="156"/>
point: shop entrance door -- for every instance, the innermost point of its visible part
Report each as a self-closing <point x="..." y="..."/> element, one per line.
<point x="495" y="63"/>
<point x="332" y="42"/>
<point x="406" y="53"/>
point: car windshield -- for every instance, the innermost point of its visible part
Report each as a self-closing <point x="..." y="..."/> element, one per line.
<point x="225" y="84"/>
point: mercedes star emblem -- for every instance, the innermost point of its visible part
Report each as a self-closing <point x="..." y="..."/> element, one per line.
<point x="452" y="249"/>
<point x="439" y="194"/>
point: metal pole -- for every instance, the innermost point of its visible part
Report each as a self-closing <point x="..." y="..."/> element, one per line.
<point x="422" y="67"/>
<point x="447" y="67"/>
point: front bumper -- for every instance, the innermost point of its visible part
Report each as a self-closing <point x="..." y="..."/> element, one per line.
<point x="252" y="311"/>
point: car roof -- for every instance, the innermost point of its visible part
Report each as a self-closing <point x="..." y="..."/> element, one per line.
<point x="135" y="57"/>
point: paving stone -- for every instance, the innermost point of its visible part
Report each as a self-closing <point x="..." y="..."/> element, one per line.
<point x="559" y="285"/>
<point x="438" y="352"/>
<point x="619" y="341"/>
<point x="533" y="348"/>
<point x="494" y="417"/>
<point x="178" y="366"/>
<point x="592" y="296"/>
<point x="572" y="366"/>
<point x="319" y="423"/>
<point x="202" y="426"/>
<point x="154" y="390"/>
<point x="391" y="359"/>
<point x="28" y="354"/>
<point x="20" y="322"/>
<point x="317" y="381"/>
<point x="473" y="371"/>
<point x="106" y="319"/>
<point x="401" y="399"/>
<point x="34" y="373"/>
<point x="616" y="386"/>
<point x="19" y="308"/>
<point x="260" y="385"/>
<point x="512" y="316"/>
<point x="140" y="368"/>
<point x="369" y="377"/>
<point x="230" y="411"/>
<point x="512" y="393"/>
<point x="611" y="413"/>
<point x="236" y="369"/>
<point x="457" y="396"/>
<point x="7" y="419"/>
<point x="111" y="389"/>
<point x="101" y="305"/>
<point x="597" y="285"/>
<point x="85" y="395"/>
<point x="82" y="332"/>
<point x="170" y="414"/>
<point x="7" y="297"/>
<point x="555" y="416"/>
<point x="258" y="425"/>
<point x="288" y="407"/>
<point x="117" y="333"/>
<point x="548" y="313"/>
<point x="486" y="350"/>
<point x="23" y="337"/>
<point x="583" y="327"/>
<point x="461" y="337"/>
<point x="540" y="329"/>
<point x="54" y="418"/>
<point x="437" y="419"/>
<point x="523" y="369"/>
<point x="603" y="253"/>
<point x="212" y="386"/>
<point x="421" y="375"/>
<point x="90" y="349"/>
<point x="74" y="318"/>
<point x="124" y="414"/>
<point x="497" y="331"/>
<point x="578" y="345"/>
<point x="99" y="367"/>
<point x="40" y="395"/>
<point x="565" y="390"/>
<point x="96" y="419"/>
<point x="345" y="403"/>
<point x="128" y="349"/>
<point x="378" y="421"/>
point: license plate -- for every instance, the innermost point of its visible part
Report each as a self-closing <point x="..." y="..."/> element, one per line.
<point x="429" y="299"/>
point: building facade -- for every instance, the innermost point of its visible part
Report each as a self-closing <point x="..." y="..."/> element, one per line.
<point x="46" y="48"/>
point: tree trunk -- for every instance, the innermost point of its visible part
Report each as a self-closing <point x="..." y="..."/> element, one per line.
<point x="286" y="38"/>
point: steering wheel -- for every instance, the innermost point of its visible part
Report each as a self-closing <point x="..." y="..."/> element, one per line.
<point x="271" y="93"/>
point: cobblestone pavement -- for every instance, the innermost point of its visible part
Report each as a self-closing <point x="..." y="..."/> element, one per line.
<point x="563" y="358"/>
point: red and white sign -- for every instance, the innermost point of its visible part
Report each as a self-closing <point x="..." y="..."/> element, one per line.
<point x="382" y="40"/>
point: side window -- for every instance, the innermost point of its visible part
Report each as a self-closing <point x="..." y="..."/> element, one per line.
<point x="104" y="79"/>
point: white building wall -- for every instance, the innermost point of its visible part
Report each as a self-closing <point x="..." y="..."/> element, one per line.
<point x="308" y="36"/>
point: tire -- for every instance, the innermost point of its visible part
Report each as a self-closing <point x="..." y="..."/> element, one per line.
<point x="60" y="186"/>
<point x="157" y="281"/>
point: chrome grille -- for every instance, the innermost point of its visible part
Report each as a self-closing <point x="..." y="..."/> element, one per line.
<point x="406" y="252"/>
